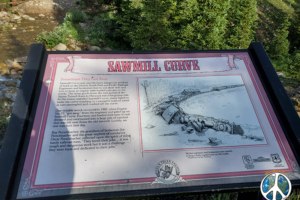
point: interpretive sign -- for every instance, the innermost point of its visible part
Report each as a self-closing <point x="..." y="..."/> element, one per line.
<point x="136" y="122"/>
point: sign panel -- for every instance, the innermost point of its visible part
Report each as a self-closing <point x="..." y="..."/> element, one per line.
<point x="124" y="122"/>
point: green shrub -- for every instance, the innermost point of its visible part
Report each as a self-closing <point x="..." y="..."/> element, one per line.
<point x="279" y="48"/>
<point x="105" y="27"/>
<point x="75" y="16"/>
<point x="294" y="67"/>
<point x="60" y="34"/>
<point x="50" y="39"/>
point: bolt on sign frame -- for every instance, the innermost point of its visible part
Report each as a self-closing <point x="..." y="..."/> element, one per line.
<point x="135" y="123"/>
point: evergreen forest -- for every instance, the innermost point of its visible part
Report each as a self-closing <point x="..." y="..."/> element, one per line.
<point x="199" y="24"/>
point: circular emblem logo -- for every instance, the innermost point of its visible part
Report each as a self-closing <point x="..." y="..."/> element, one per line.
<point x="275" y="186"/>
<point x="167" y="171"/>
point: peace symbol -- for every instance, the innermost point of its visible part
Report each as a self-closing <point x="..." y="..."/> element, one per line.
<point x="276" y="188"/>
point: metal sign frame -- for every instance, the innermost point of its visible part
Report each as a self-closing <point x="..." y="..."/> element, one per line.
<point x="13" y="152"/>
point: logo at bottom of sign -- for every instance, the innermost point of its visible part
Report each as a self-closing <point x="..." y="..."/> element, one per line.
<point x="276" y="186"/>
<point x="167" y="172"/>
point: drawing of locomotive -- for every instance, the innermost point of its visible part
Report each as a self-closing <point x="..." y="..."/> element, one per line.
<point x="173" y="114"/>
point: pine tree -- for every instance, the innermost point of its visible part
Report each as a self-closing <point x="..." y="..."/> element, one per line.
<point x="187" y="24"/>
<point x="202" y="24"/>
<point x="152" y="31"/>
<point x="241" y="23"/>
<point x="280" y="44"/>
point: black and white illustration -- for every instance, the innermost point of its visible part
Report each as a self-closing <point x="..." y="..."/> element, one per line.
<point x="195" y="112"/>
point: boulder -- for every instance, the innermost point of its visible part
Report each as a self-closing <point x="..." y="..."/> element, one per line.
<point x="4" y="69"/>
<point x="15" y="76"/>
<point x="93" y="48"/>
<point x="25" y="16"/>
<point x="11" y="84"/>
<point x="77" y="48"/>
<point x="60" y="47"/>
<point x="39" y="7"/>
<point x="3" y="14"/>
<point x="21" y="66"/>
<point x="281" y="74"/>
<point x="16" y="65"/>
<point x="9" y="63"/>
<point x="17" y="17"/>
<point x="13" y="71"/>
<point x="72" y="46"/>
<point x="31" y="19"/>
<point x="20" y="59"/>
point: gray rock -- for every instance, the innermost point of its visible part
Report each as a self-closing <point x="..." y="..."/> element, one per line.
<point x="77" y="49"/>
<point x="14" y="28"/>
<point x="20" y="59"/>
<point x="60" y="47"/>
<point x="93" y="48"/>
<point x="24" y="31"/>
<point x="41" y="15"/>
<point x="17" y="17"/>
<point x="31" y="18"/>
<point x="281" y="74"/>
<point x="41" y="7"/>
<point x="10" y="93"/>
<point x="25" y="16"/>
<point x="81" y="24"/>
<point x="9" y="63"/>
<point x="86" y="38"/>
<point x="3" y="14"/>
<point x="13" y="71"/>
<point x="15" y="76"/>
<point x="11" y="84"/>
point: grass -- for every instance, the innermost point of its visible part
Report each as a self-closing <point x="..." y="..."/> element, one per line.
<point x="224" y="196"/>
<point x="295" y="194"/>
